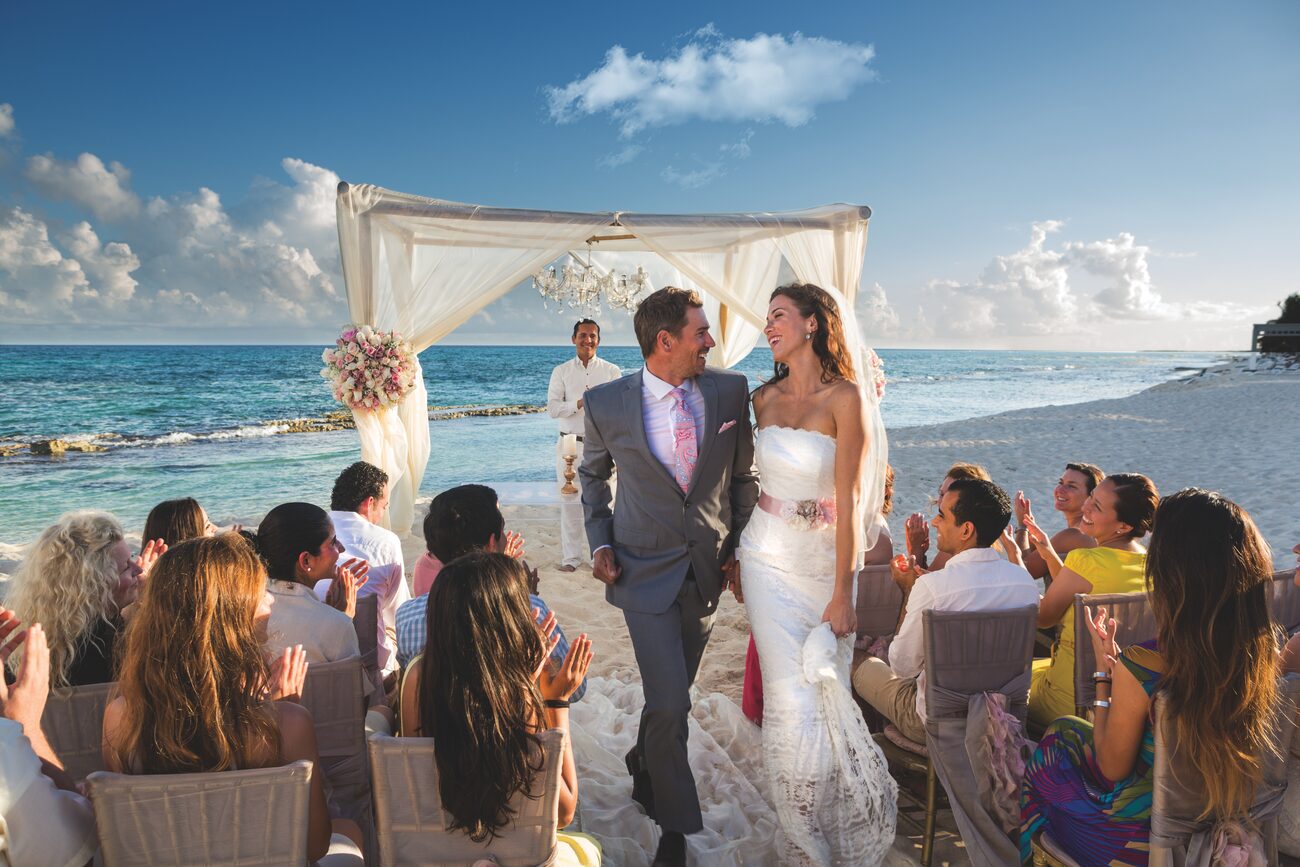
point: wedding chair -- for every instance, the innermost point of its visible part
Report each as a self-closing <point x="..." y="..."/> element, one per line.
<point x="1134" y="623"/>
<point x="977" y="665"/>
<point x="246" y="818"/>
<point x="1284" y="601"/>
<point x="366" y="623"/>
<point x="73" y="723"/>
<point x="411" y="823"/>
<point x="1179" y="838"/>
<point x="878" y="602"/>
<point x="335" y="693"/>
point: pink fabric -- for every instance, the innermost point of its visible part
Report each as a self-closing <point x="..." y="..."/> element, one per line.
<point x="685" y="449"/>
<point x="1005" y="749"/>
<point x="426" y="570"/>
<point x="1233" y="845"/>
<point x="751" y="695"/>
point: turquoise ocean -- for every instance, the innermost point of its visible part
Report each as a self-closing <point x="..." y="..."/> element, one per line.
<point x="198" y="420"/>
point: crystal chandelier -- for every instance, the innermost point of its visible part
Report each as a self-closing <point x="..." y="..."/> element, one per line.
<point x="579" y="286"/>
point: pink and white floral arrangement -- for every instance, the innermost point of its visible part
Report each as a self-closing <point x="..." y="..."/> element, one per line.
<point x="369" y="369"/>
<point x="877" y="373"/>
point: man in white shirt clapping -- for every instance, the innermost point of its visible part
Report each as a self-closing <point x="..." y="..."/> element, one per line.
<point x="564" y="402"/>
<point x="357" y="505"/>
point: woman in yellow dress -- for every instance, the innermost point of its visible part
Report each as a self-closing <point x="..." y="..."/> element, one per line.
<point x="1116" y="515"/>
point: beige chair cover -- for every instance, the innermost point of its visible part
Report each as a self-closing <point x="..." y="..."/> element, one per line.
<point x="1284" y="601"/>
<point x="968" y="656"/>
<point x="246" y="818"/>
<point x="878" y="603"/>
<point x="73" y="723"/>
<point x="336" y="696"/>
<point x="413" y="827"/>
<point x="1134" y="623"/>
<point x="1178" y="839"/>
<point x="366" y="622"/>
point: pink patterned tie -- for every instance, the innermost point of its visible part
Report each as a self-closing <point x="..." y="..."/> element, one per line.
<point x="685" y="451"/>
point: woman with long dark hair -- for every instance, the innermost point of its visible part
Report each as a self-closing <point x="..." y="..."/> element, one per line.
<point x="485" y="690"/>
<point x="195" y="692"/>
<point x="174" y="521"/>
<point x="1215" y="660"/>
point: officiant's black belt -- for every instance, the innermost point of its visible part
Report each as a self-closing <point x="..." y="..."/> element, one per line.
<point x="577" y="436"/>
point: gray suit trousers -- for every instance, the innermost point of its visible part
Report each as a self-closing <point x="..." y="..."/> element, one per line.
<point x="666" y="678"/>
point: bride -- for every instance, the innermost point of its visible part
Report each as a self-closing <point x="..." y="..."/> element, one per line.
<point x="820" y="450"/>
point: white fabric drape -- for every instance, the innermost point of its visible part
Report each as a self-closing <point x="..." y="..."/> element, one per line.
<point x="424" y="266"/>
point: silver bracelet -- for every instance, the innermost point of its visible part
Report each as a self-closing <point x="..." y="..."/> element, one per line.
<point x="1101" y="675"/>
<point x="1100" y="702"/>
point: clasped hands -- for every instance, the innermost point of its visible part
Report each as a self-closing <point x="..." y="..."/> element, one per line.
<point x="562" y="681"/>
<point x="349" y="577"/>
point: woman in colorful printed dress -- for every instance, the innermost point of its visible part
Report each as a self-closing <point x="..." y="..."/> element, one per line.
<point x="1215" y="660"/>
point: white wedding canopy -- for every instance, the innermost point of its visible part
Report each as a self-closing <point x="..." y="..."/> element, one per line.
<point x="424" y="266"/>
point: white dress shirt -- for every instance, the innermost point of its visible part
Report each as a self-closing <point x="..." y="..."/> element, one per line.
<point x="387" y="577"/>
<point x="657" y="412"/>
<point x="977" y="579"/>
<point x="568" y="383"/>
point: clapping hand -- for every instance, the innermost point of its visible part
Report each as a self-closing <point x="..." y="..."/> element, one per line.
<point x="1101" y="630"/>
<point x="917" y="533"/>
<point x="550" y="638"/>
<point x="24" y="701"/>
<point x="1014" y="554"/>
<point x="1037" y="537"/>
<point x="514" y="546"/>
<point x="348" y="578"/>
<point x="905" y="571"/>
<point x="564" y="682"/>
<point x="1022" y="507"/>
<point x="288" y="675"/>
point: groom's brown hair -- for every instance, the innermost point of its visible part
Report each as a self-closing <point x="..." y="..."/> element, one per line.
<point x="664" y="310"/>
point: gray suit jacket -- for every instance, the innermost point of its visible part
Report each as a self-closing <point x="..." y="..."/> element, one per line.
<point x="657" y="532"/>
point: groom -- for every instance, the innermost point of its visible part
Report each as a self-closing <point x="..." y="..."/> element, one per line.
<point x="680" y="437"/>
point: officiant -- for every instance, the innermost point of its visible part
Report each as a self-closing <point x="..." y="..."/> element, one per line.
<point x="564" y="402"/>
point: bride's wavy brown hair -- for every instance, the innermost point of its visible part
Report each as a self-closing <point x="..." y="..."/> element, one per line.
<point x="192" y="672"/>
<point x="1208" y="572"/>
<point x="828" y="340"/>
<point x="478" y="697"/>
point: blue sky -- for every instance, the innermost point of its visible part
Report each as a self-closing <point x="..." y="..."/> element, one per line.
<point x="1100" y="176"/>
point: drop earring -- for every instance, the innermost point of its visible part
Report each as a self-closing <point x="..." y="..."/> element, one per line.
<point x="808" y="336"/>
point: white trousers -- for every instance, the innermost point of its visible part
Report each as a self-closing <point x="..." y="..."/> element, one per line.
<point x="574" y="550"/>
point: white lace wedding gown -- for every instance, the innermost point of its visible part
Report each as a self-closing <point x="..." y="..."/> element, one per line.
<point x="829" y="784"/>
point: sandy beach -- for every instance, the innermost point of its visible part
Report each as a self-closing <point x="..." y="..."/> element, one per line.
<point x="1226" y="429"/>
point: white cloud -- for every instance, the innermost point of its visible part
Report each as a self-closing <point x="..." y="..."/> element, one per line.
<point x="270" y="261"/>
<point x="765" y="78"/>
<point x="6" y="120"/>
<point x="689" y="180"/>
<point x="621" y="157"/>
<point x="105" y="191"/>
<point x="1037" y="290"/>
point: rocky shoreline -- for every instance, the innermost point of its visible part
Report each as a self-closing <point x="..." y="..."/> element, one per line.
<point x="331" y="421"/>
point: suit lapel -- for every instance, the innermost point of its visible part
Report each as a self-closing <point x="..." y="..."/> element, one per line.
<point x="709" y="431"/>
<point x="635" y="417"/>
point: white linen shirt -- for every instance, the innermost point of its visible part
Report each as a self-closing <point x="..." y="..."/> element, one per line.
<point x="387" y="577"/>
<point x="977" y="579"/>
<point x="569" y="381"/>
<point x="657" y="412"/>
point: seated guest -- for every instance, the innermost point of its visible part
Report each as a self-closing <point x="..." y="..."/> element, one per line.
<point x="1072" y="491"/>
<point x="751" y="696"/>
<point x="971" y="516"/>
<point x="43" y="819"/>
<point x="196" y="694"/>
<point x="357" y="505"/>
<point x="917" y="532"/>
<point x="297" y="543"/>
<point x="460" y="520"/>
<point x="1288" y="829"/>
<point x="75" y="580"/>
<point x="485" y="689"/>
<point x="174" y="521"/>
<point x="1089" y="785"/>
<point x="1115" y="516"/>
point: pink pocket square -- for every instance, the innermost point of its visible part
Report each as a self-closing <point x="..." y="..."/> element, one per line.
<point x="727" y="425"/>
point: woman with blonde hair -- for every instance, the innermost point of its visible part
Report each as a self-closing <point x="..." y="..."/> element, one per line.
<point x="196" y="694"/>
<point x="1215" y="660"/>
<point x="75" y="580"/>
